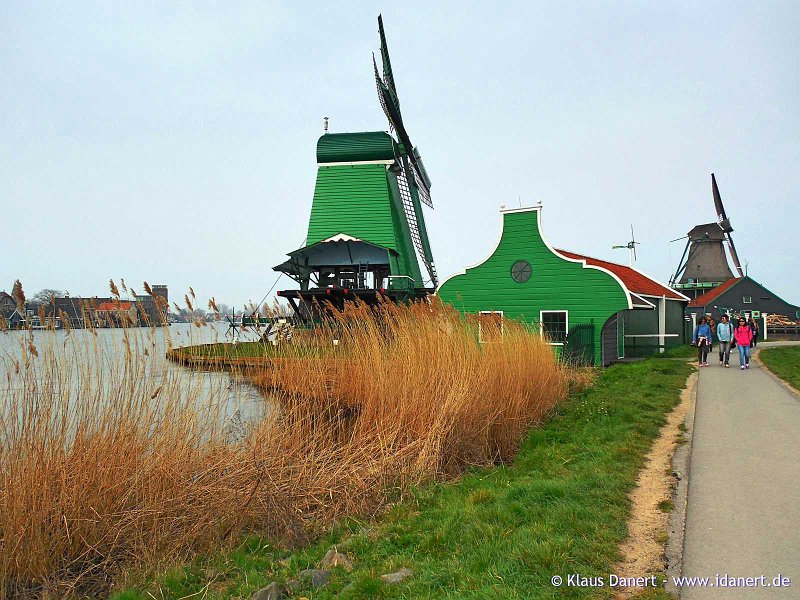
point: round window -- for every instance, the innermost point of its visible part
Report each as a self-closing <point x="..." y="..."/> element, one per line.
<point x="521" y="271"/>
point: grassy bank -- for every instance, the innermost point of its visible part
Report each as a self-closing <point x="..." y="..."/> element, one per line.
<point x="500" y="532"/>
<point x="684" y="351"/>
<point x="784" y="362"/>
<point x="111" y="460"/>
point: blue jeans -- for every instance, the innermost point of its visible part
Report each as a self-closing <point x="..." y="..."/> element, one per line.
<point x="724" y="352"/>
<point x="744" y="354"/>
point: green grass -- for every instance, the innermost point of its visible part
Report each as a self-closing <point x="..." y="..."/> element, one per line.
<point x="246" y="350"/>
<point x="497" y="533"/>
<point x="684" y="351"/>
<point x="784" y="362"/>
<point x="241" y="350"/>
<point x="666" y="506"/>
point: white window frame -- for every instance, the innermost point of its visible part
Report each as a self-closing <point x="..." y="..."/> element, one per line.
<point x="480" y="325"/>
<point x="747" y="299"/>
<point x="541" y="324"/>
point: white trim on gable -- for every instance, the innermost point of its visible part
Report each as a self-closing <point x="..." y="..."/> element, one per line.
<point x="666" y="287"/>
<point x="477" y="264"/>
<point x="584" y="263"/>
<point x="342" y="237"/>
<point x="538" y="209"/>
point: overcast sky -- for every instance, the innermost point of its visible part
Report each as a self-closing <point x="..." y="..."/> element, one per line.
<point x="176" y="144"/>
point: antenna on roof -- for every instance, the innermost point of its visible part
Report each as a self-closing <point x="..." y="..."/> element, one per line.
<point x="631" y="246"/>
<point x="325" y="124"/>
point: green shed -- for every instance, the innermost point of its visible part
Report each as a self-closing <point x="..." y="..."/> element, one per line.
<point x="588" y="307"/>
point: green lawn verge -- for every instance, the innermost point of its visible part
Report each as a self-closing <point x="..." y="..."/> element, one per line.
<point x="784" y="362"/>
<point x="500" y="532"/>
<point x="684" y="351"/>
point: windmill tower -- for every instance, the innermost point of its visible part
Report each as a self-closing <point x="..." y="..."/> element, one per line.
<point x="366" y="234"/>
<point x="704" y="264"/>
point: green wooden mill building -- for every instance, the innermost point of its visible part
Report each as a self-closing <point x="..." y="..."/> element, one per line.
<point x="366" y="234"/>
<point x="367" y="239"/>
<point x="597" y="311"/>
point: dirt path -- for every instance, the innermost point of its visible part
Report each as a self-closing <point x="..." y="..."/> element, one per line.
<point x="643" y="551"/>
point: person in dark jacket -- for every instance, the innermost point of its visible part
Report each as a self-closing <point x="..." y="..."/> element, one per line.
<point x="753" y="325"/>
<point x="702" y="339"/>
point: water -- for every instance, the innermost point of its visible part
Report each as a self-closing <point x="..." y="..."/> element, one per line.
<point x="238" y="403"/>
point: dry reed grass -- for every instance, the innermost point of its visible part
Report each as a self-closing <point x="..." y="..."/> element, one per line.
<point x="110" y="460"/>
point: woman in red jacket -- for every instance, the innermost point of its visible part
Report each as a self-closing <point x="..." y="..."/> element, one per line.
<point x="743" y="336"/>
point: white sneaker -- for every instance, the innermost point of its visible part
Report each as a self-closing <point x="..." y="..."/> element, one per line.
<point x="742" y="367"/>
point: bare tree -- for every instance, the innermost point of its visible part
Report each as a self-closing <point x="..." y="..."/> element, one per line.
<point x="45" y="296"/>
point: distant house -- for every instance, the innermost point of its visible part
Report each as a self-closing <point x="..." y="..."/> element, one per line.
<point x="16" y="320"/>
<point x="116" y="312"/>
<point x="74" y="310"/>
<point x="742" y="295"/>
<point x="7" y="304"/>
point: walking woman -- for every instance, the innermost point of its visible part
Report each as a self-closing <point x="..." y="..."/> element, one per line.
<point x="702" y="338"/>
<point x="725" y="339"/>
<point x="743" y="336"/>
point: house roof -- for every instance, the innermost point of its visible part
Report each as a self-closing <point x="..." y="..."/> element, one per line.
<point x="109" y="306"/>
<point x="636" y="282"/>
<point x="711" y="295"/>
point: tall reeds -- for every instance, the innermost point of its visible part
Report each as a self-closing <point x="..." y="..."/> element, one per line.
<point x="110" y="459"/>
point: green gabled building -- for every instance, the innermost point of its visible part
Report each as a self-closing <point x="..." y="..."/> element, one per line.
<point x="366" y="234"/>
<point x="597" y="311"/>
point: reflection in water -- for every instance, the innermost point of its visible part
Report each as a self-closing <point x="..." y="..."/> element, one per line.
<point x="101" y="356"/>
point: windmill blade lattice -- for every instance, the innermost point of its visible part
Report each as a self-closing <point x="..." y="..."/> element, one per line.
<point x="413" y="224"/>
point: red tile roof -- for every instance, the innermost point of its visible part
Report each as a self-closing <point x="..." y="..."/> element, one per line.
<point x="636" y="282"/>
<point x="711" y="295"/>
<point x="109" y="306"/>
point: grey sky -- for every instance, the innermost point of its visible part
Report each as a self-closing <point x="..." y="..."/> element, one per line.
<point x="176" y="144"/>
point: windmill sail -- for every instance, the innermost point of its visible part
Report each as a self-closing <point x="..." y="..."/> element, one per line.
<point x="725" y="224"/>
<point x="387" y="94"/>
<point x="734" y="256"/>
<point x="388" y="77"/>
<point x="413" y="179"/>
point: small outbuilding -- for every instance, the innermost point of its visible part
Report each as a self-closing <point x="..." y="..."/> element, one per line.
<point x="597" y="311"/>
<point x="742" y="296"/>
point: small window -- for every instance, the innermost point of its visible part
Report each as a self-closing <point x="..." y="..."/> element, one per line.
<point x="747" y="299"/>
<point x="554" y="325"/>
<point x="521" y="271"/>
<point x="490" y="326"/>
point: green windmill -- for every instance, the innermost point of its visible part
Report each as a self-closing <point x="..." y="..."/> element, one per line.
<point x="366" y="234"/>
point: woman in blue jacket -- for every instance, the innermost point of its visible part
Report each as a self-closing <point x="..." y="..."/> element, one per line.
<point x="702" y="339"/>
<point x="725" y="340"/>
